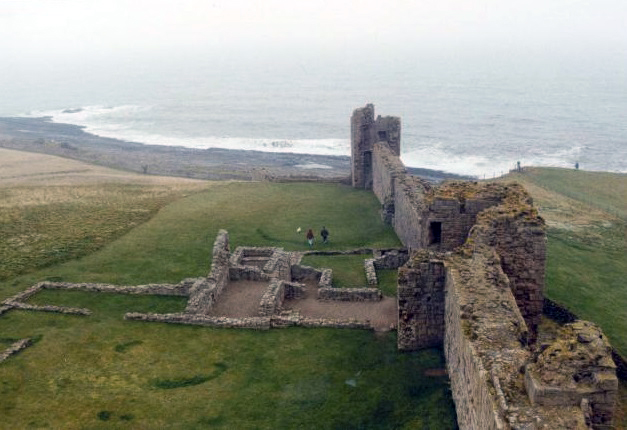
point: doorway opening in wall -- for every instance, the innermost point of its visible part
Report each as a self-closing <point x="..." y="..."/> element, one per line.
<point x="435" y="232"/>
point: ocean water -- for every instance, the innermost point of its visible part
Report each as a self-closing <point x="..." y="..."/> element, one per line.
<point x="475" y="118"/>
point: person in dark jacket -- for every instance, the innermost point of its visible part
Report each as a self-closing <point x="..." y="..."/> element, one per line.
<point x="325" y="235"/>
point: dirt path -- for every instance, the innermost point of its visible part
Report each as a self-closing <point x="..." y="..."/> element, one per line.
<point x="382" y="315"/>
<point x="240" y="299"/>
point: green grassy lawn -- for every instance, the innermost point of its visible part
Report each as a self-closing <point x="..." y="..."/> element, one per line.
<point x="348" y="270"/>
<point x="388" y="281"/>
<point x="103" y="372"/>
<point x="603" y="190"/>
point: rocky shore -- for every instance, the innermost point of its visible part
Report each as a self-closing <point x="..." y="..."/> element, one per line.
<point x="71" y="141"/>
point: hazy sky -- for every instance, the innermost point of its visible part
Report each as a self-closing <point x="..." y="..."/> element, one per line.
<point x="71" y="28"/>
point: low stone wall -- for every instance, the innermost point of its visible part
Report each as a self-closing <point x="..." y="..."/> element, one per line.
<point x="242" y="252"/>
<point x="326" y="279"/>
<point x="356" y="251"/>
<point x="272" y="299"/>
<point x="350" y="294"/>
<point x="181" y="289"/>
<point x="15" y="348"/>
<point x="5" y="308"/>
<point x="50" y="308"/>
<point x="390" y="259"/>
<point x="247" y="273"/>
<point x="302" y="273"/>
<point x="26" y="294"/>
<point x="256" y="323"/>
<point x="371" y="273"/>
<point x="294" y="319"/>
<point x="279" y="265"/>
<point x="293" y="290"/>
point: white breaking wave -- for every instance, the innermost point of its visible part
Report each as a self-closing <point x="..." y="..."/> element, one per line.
<point x="122" y="122"/>
<point x="117" y="123"/>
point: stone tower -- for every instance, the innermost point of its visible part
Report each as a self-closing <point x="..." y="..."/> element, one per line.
<point x="365" y="132"/>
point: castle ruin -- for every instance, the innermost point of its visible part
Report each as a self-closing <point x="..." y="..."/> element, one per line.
<point x="474" y="285"/>
<point x="470" y="281"/>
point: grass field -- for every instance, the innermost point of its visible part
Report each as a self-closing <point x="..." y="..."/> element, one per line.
<point x="92" y="224"/>
<point x="587" y="247"/>
<point x="103" y="372"/>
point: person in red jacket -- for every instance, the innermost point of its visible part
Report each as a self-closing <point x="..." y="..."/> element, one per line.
<point x="310" y="237"/>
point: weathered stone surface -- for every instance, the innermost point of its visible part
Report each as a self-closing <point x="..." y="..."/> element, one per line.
<point x="15" y="348"/>
<point x="390" y="258"/>
<point x="487" y="304"/>
<point x="181" y="289"/>
<point x="371" y="273"/>
<point x="350" y="294"/>
<point x="577" y="367"/>
<point x="485" y="348"/>
<point x="50" y="308"/>
<point x="272" y="299"/>
<point x="205" y="291"/>
<point x="420" y="295"/>
<point x="257" y="323"/>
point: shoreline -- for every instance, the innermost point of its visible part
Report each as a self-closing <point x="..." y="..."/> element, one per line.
<point x="71" y="141"/>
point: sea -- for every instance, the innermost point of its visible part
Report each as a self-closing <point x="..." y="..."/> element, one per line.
<point x="468" y="116"/>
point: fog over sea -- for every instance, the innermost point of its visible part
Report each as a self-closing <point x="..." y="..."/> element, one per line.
<point x="475" y="117"/>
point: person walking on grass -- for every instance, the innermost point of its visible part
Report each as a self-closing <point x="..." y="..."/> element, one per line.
<point x="310" y="238"/>
<point x="325" y="235"/>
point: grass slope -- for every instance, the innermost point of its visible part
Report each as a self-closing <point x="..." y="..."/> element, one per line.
<point x="104" y="372"/>
<point x="587" y="249"/>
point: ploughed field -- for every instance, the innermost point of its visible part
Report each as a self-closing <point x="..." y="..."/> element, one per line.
<point x="101" y="371"/>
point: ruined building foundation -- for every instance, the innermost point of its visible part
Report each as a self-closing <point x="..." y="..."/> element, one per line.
<point x="474" y="286"/>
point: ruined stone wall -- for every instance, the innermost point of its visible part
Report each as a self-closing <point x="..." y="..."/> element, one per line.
<point x="421" y="303"/>
<point x="409" y="210"/>
<point x="386" y="167"/>
<point x="350" y="294"/>
<point x="204" y="293"/>
<point x="362" y="138"/>
<point x="485" y="348"/>
<point x="388" y="129"/>
<point x="456" y="218"/>
<point x="518" y="235"/>
<point x="14" y="348"/>
<point x="272" y="299"/>
<point x="576" y="370"/>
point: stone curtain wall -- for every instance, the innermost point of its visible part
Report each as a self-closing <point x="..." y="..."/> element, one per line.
<point x="409" y="210"/>
<point x="518" y="235"/>
<point x="205" y="291"/>
<point x="421" y="303"/>
<point x="485" y="348"/>
<point x="386" y="168"/>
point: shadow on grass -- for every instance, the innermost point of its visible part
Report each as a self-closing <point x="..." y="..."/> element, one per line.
<point x="168" y="384"/>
